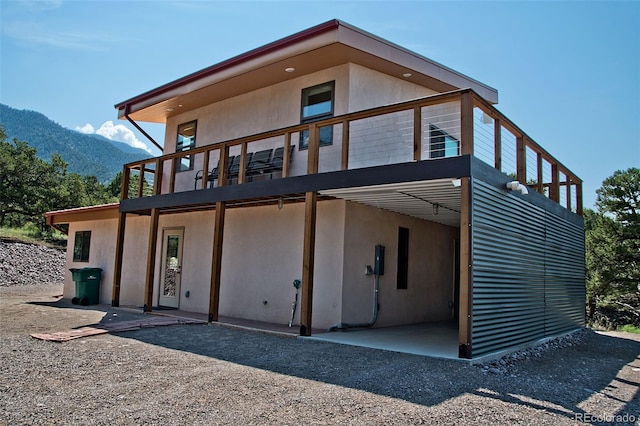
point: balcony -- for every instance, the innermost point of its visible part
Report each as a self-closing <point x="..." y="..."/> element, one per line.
<point x="446" y="125"/>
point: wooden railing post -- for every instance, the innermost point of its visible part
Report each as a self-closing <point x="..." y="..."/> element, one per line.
<point x="579" y="198"/>
<point x="568" y="189"/>
<point x="243" y="162"/>
<point x="124" y="191"/>
<point x="466" y="123"/>
<point x="521" y="160"/>
<point x="143" y="167"/>
<point x="172" y="178"/>
<point x="417" y="133"/>
<point x="539" y="183"/>
<point x="344" y="164"/>
<point x="223" y="165"/>
<point x="313" y="150"/>
<point x="497" y="143"/>
<point x="157" y="181"/>
<point x="205" y="170"/>
<point x="554" y="190"/>
<point x="286" y="157"/>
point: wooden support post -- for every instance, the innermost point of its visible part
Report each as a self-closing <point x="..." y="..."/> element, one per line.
<point x="540" y="183"/>
<point x="466" y="123"/>
<point x="521" y="160"/>
<point x="554" y="191"/>
<point x="308" y="258"/>
<point x="497" y="143"/>
<point x="157" y="178"/>
<point x="313" y="151"/>
<point x="345" y="145"/>
<point x="417" y="133"/>
<point x="286" y="157"/>
<point x="216" y="262"/>
<point x="151" y="260"/>
<point x="141" y="180"/>
<point x="243" y="163"/>
<point x="117" y="267"/>
<point x="466" y="268"/>
<point x="205" y="170"/>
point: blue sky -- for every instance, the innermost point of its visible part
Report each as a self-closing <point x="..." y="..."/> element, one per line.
<point x="568" y="73"/>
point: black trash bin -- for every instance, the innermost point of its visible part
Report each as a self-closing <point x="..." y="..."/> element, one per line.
<point x="87" y="285"/>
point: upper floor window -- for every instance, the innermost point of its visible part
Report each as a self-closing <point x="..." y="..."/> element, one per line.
<point x="442" y="144"/>
<point x="185" y="142"/>
<point x="317" y="104"/>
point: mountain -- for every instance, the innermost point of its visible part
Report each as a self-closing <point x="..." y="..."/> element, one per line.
<point x="85" y="154"/>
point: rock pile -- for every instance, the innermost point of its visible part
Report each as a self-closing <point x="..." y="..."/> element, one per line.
<point x="28" y="264"/>
<point x="501" y="366"/>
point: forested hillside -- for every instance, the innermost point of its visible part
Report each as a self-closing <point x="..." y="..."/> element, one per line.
<point x="86" y="155"/>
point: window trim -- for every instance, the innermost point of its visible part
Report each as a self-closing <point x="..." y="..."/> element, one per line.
<point x="180" y="167"/>
<point x="81" y="246"/>
<point x="317" y="117"/>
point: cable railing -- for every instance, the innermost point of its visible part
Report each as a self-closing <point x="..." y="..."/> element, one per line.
<point x="429" y="128"/>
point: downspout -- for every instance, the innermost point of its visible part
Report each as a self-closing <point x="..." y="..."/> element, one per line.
<point x="140" y="129"/>
<point x="344" y="326"/>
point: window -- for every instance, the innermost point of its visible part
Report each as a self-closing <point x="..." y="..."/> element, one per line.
<point x="81" y="246"/>
<point x="442" y="144"/>
<point x="185" y="142"/>
<point x="403" y="258"/>
<point x="317" y="104"/>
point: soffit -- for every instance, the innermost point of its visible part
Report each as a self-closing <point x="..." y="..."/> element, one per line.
<point x="414" y="199"/>
<point x="326" y="48"/>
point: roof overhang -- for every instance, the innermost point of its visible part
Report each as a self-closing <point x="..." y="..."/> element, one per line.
<point x="64" y="217"/>
<point x="326" y="45"/>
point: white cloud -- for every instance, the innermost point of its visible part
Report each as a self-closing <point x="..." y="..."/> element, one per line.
<point x="115" y="132"/>
<point x="86" y="129"/>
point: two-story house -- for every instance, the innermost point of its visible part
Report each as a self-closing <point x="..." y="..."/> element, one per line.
<point x="388" y="184"/>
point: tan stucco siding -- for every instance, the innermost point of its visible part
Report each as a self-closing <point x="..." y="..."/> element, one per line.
<point x="262" y="255"/>
<point x="431" y="259"/>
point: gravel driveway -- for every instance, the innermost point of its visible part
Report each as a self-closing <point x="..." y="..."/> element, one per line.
<point x="201" y="374"/>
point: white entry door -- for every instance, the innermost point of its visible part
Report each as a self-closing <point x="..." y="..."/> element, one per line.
<point x="171" y="267"/>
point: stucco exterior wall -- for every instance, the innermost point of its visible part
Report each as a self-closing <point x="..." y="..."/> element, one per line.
<point x="431" y="275"/>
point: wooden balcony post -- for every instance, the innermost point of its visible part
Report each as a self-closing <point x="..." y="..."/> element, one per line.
<point x="124" y="191"/>
<point x="521" y="160"/>
<point x="151" y="260"/>
<point x="216" y="262"/>
<point x="243" y="162"/>
<point x="497" y="143"/>
<point x="205" y="170"/>
<point x="308" y="259"/>
<point x="313" y="150"/>
<point x="540" y="183"/>
<point x="466" y="269"/>
<point x="554" y="190"/>
<point x="579" y="198"/>
<point x="117" y="267"/>
<point x="223" y="165"/>
<point x="568" y="189"/>
<point x="466" y="123"/>
<point x="157" y="181"/>
<point x="141" y="179"/>
<point x="286" y="155"/>
<point x="345" y="145"/>
<point x="417" y="133"/>
<point x="172" y="177"/>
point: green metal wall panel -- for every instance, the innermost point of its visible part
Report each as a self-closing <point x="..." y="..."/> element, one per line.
<point x="528" y="272"/>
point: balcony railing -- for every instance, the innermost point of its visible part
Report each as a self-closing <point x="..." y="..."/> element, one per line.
<point x="443" y="125"/>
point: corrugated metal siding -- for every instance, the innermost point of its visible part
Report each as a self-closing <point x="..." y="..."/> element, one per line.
<point x="528" y="272"/>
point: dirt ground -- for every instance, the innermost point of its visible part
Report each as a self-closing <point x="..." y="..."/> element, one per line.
<point x="202" y="374"/>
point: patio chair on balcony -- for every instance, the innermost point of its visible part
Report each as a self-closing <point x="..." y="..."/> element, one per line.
<point x="278" y="160"/>
<point x="259" y="164"/>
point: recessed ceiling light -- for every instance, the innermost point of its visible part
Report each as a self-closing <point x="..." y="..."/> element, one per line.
<point x="169" y="109"/>
<point x="290" y="69"/>
<point x="406" y="75"/>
